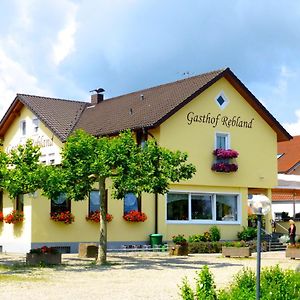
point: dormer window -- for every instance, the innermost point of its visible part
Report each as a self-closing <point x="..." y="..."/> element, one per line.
<point x="23" y="127"/>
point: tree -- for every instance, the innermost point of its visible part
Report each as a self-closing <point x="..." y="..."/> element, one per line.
<point x="21" y="170"/>
<point x="87" y="160"/>
<point x="3" y="169"/>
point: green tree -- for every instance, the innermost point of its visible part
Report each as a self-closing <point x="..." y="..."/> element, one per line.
<point x="21" y="170"/>
<point x="3" y="169"/>
<point x="87" y="160"/>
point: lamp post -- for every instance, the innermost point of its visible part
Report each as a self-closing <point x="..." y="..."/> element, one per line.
<point x="260" y="205"/>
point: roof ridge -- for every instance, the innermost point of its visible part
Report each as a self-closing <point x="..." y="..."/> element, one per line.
<point x="169" y="83"/>
<point x="52" y="98"/>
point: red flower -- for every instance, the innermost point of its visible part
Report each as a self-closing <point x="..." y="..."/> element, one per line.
<point x="224" y="167"/>
<point x="14" y="217"/>
<point x="64" y="216"/>
<point x="225" y="153"/>
<point x="44" y="249"/>
<point x="1" y="216"/>
<point x="135" y="216"/>
<point x="95" y="216"/>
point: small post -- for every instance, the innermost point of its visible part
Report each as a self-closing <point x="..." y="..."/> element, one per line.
<point x="258" y="259"/>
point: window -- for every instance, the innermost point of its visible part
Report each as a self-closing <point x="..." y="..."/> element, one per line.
<point x="131" y="202"/>
<point x="51" y="158"/>
<point x="177" y="206"/>
<point x="201" y="207"/>
<point x="221" y="100"/>
<point x="222" y="141"/>
<point x="61" y="203"/>
<point x="43" y="159"/>
<point x="204" y="207"/>
<point x="94" y="201"/>
<point x="141" y="138"/>
<point x="20" y="202"/>
<point x="35" y="123"/>
<point x="226" y="207"/>
<point x="23" y="127"/>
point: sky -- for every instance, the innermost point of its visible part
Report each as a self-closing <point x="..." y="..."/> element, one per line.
<point x="65" y="48"/>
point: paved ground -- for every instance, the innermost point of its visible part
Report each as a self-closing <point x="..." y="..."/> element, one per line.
<point x="130" y="276"/>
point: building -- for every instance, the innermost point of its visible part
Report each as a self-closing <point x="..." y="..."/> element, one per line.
<point x="198" y="115"/>
<point x="286" y="195"/>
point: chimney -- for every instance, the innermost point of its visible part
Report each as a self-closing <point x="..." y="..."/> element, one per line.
<point x="96" y="98"/>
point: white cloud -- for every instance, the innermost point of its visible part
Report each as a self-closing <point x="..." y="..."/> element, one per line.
<point x="15" y="79"/>
<point x="65" y="43"/>
<point x="293" y="128"/>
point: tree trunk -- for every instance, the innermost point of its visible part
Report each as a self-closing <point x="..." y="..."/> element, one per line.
<point x="103" y="223"/>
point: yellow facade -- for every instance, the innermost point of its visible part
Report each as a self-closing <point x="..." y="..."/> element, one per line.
<point x="191" y="129"/>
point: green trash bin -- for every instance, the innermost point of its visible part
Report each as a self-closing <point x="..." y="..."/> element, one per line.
<point x="155" y="239"/>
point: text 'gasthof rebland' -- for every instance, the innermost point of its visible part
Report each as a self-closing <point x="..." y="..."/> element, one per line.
<point x="215" y="120"/>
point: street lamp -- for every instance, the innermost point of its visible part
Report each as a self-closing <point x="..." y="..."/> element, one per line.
<point x="260" y="205"/>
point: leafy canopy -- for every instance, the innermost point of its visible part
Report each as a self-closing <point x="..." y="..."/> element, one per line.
<point x="131" y="167"/>
<point x="23" y="174"/>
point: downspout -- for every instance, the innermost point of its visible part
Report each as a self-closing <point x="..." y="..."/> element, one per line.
<point x="155" y="194"/>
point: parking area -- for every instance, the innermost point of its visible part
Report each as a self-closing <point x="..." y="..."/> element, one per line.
<point x="126" y="276"/>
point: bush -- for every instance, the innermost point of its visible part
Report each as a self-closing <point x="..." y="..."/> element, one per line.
<point x="205" y="247"/>
<point x="276" y="284"/>
<point x="247" y="234"/>
<point x="215" y="233"/>
<point x="205" y="287"/>
<point x="197" y="238"/>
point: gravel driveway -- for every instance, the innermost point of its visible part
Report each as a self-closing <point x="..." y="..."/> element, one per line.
<point x="127" y="276"/>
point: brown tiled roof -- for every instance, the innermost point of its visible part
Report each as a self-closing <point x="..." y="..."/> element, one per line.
<point x="291" y="155"/>
<point x="145" y="108"/>
<point x="59" y="115"/>
<point x="150" y="107"/>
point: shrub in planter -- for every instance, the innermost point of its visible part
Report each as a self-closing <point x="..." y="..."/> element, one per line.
<point x="293" y="251"/>
<point x="181" y="245"/>
<point x="46" y="255"/>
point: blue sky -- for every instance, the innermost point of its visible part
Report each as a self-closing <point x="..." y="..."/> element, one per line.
<point x="64" y="48"/>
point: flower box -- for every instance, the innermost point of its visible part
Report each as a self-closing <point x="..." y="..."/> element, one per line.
<point x="179" y="250"/>
<point x="224" y="167"/>
<point x="236" y="251"/>
<point x="135" y="216"/>
<point x="292" y="252"/>
<point x="14" y="217"/>
<point x="223" y="161"/>
<point x="64" y="217"/>
<point x="95" y="216"/>
<point x="46" y="258"/>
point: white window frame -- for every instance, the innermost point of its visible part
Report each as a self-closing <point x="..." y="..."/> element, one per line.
<point x="223" y="134"/>
<point x="213" y="221"/>
<point x="222" y="94"/>
<point x="23" y="129"/>
<point x="35" y="125"/>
